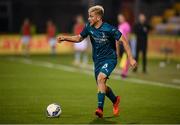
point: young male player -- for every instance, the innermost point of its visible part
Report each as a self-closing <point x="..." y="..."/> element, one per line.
<point x="103" y="39"/>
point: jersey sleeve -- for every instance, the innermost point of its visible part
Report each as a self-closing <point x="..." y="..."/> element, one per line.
<point x="84" y="32"/>
<point x="116" y="34"/>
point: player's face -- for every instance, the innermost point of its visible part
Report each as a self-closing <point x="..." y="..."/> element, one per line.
<point x="121" y="18"/>
<point x="79" y="19"/>
<point x="142" y="18"/>
<point x="93" y="18"/>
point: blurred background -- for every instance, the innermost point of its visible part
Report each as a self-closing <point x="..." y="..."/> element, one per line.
<point x="29" y="52"/>
<point x="162" y="16"/>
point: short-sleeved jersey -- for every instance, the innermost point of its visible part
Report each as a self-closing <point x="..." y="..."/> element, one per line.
<point x="103" y="41"/>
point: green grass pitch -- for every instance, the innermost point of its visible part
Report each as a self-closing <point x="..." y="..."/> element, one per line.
<point x="27" y="89"/>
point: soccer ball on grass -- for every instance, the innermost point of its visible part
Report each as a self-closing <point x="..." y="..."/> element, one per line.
<point x="53" y="110"/>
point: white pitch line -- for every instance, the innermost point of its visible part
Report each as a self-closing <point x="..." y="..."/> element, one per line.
<point x="176" y="81"/>
<point x="49" y="65"/>
<point x="73" y="69"/>
<point x="146" y="82"/>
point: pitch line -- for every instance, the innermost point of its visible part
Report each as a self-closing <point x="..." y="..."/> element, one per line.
<point x="73" y="69"/>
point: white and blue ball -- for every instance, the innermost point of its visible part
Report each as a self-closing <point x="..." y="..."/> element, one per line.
<point x="53" y="110"/>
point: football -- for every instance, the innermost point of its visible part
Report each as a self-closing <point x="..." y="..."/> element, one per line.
<point x="53" y="110"/>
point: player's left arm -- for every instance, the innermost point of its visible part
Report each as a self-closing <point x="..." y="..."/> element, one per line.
<point x="128" y="51"/>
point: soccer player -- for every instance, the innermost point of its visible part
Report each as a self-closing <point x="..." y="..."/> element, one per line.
<point x="26" y="36"/>
<point x="141" y="30"/>
<point x="81" y="47"/>
<point x="125" y="29"/>
<point x="51" y="33"/>
<point x="103" y="39"/>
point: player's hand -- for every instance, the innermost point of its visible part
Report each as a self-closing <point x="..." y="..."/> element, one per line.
<point x="60" y="39"/>
<point x="133" y="63"/>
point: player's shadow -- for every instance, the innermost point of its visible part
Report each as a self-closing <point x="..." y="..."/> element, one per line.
<point x="104" y="120"/>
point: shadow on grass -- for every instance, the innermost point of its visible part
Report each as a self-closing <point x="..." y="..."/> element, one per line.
<point x="104" y="120"/>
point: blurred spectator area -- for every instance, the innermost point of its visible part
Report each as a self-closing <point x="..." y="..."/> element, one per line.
<point x="162" y="14"/>
<point x="62" y="12"/>
<point x="168" y="22"/>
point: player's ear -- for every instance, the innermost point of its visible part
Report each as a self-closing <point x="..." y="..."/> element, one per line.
<point x="98" y="18"/>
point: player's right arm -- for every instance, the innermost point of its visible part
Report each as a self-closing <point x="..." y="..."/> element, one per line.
<point x="128" y="51"/>
<point x="117" y="35"/>
<point x="75" y="39"/>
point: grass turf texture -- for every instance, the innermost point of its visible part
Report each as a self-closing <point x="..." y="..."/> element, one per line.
<point x="26" y="90"/>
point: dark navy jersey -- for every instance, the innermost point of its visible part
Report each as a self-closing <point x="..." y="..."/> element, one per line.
<point x="103" y="41"/>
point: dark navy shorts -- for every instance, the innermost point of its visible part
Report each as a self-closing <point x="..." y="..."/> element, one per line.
<point x="105" y="67"/>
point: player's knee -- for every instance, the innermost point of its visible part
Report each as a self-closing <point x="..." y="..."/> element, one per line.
<point x="101" y="78"/>
<point x="107" y="89"/>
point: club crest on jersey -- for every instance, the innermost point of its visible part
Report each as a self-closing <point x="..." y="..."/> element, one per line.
<point x="102" y="38"/>
<point x="105" y="66"/>
<point x="91" y="32"/>
<point x="103" y="35"/>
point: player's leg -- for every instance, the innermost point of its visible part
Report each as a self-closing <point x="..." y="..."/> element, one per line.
<point x="144" y="56"/>
<point x="53" y="46"/>
<point x="107" y="69"/>
<point x="121" y="50"/>
<point x="137" y="55"/>
<point x="24" y="44"/>
<point x="53" y="50"/>
<point x="84" y="46"/>
<point x="85" y="58"/>
<point x="124" y="72"/>
<point x="114" y="99"/>
<point x="27" y="45"/>
<point x="101" y="79"/>
<point x="105" y="72"/>
<point x="110" y="94"/>
<point x="77" y="57"/>
<point x="52" y="43"/>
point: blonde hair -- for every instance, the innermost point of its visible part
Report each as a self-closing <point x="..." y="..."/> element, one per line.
<point x="97" y="9"/>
